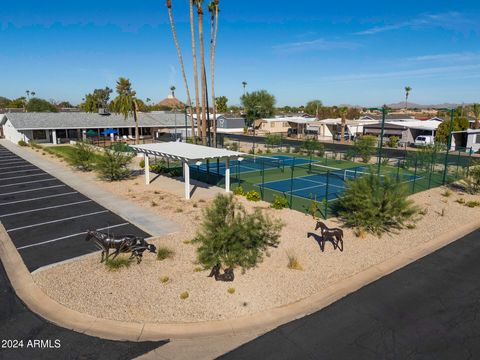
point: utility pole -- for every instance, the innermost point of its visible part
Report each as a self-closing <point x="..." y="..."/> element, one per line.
<point x="449" y="143"/>
<point x="382" y="133"/>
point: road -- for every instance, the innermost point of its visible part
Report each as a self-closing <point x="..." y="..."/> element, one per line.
<point x="427" y="310"/>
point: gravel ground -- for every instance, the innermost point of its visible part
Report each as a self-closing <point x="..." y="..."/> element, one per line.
<point x="137" y="293"/>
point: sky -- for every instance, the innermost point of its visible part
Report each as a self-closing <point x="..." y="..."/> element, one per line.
<point x="341" y="52"/>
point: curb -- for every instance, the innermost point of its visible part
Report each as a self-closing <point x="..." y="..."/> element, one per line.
<point x="38" y="302"/>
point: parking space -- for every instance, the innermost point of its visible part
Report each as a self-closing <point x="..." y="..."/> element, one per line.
<point x="47" y="219"/>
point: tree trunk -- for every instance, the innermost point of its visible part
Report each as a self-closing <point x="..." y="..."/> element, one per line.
<point x="342" y="131"/>
<point x="202" y="74"/>
<point x="182" y="67"/>
<point x="195" y="71"/>
<point x="136" y="121"/>
<point x="213" y="35"/>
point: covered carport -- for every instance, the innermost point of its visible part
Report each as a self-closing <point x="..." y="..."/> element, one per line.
<point x="187" y="154"/>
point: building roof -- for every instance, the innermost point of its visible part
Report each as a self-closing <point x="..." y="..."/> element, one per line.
<point x="411" y="124"/>
<point x="172" y="102"/>
<point x="82" y="120"/>
<point x="292" y="119"/>
<point x="184" y="151"/>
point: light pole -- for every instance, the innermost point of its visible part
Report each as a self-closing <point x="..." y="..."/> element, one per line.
<point x="382" y="132"/>
<point x="449" y="143"/>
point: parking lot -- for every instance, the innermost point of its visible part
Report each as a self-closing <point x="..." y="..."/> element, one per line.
<point x="47" y="219"/>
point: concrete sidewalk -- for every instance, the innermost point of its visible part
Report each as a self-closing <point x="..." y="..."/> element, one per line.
<point x="141" y="217"/>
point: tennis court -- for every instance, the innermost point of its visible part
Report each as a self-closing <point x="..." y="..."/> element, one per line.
<point x="324" y="182"/>
<point x="250" y="164"/>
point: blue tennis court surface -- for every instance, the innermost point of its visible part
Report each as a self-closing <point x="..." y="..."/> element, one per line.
<point x="316" y="186"/>
<point x="250" y="164"/>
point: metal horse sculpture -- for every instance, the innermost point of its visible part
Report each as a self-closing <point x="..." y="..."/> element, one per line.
<point x="334" y="235"/>
<point x="121" y="244"/>
<point x="227" y="275"/>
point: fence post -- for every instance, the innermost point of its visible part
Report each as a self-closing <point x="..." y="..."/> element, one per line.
<point x="469" y="161"/>
<point x="291" y="183"/>
<point x="326" y="194"/>
<point x="414" y="176"/>
<point x="263" y="179"/>
<point x="398" y="169"/>
<point x="458" y="163"/>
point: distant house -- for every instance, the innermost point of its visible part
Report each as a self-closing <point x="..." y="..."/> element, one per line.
<point x="62" y="127"/>
<point x="231" y="125"/>
<point x="327" y="129"/>
<point x="283" y="125"/>
<point x="406" y="130"/>
<point x="467" y="140"/>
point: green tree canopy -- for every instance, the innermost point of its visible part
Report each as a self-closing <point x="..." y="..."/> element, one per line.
<point x="222" y="106"/>
<point x="40" y="105"/>
<point x="96" y="100"/>
<point x="459" y="124"/>
<point x="4" y="102"/>
<point x="313" y="107"/>
<point x="18" y="103"/>
<point x="124" y="102"/>
<point x="258" y="104"/>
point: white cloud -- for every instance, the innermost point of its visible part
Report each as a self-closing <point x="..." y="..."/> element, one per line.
<point x="317" y="44"/>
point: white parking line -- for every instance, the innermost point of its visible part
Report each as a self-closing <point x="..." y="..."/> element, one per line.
<point x="69" y="236"/>
<point x="8" y="158"/>
<point x="23" y="191"/>
<point x="39" y="198"/>
<point x="17" y="171"/>
<point x="22" y="176"/>
<point x="59" y="220"/>
<point x="13" y="167"/>
<point x="46" y="208"/>
<point x="28" y="182"/>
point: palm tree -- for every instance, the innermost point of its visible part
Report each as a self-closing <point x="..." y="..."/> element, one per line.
<point x="244" y="83"/>
<point x="214" y="10"/>
<point x="172" y="89"/>
<point x="195" y="69"/>
<point x="476" y="113"/>
<point x="199" y="4"/>
<point x="125" y="103"/>
<point x="343" y="113"/>
<point x="407" y="93"/>
<point x="182" y="67"/>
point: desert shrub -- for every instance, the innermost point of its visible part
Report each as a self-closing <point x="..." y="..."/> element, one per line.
<point x="142" y="163"/>
<point x="376" y="204"/>
<point x="174" y="172"/>
<point x="22" y="143"/>
<point x="164" y="252"/>
<point x="293" y="262"/>
<point x="310" y="146"/>
<point x="287" y="149"/>
<point x="82" y="156"/>
<point x="365" y="147"/>
<point x="34" y="145"/>
<point x="296" y="150"/>
<point x="393" y="141"/>
<point x="122" y="147"/>
<point x="460" y="201"/>
<point x="252" y="195"/>
<point x="234" y="146"/>
<point x="231" y="290"/>
<point x="113" y="165"/>
<point x="472" y="182"/>
<point x="231" y="237"/>
<point x="446" y="193"/>
<point x="472" y="203"/>
<point x="184" y="295"/>
<point x="279" y="202"/>
<point x="239" y="191"/>
<point x="164" y="279"/>
<point x="273" y="140"/>
<point x="259" y="151"/>
<point x="117" y="263"/>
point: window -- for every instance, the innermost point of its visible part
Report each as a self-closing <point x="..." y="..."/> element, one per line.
<point x="39" y="135"/>
<point x="477" y="140"/>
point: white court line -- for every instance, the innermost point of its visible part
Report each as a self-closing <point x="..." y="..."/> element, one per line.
<point x="69" y="236"/>
<point x="46" y="208"/>
<point x="309" y="187"/>
<point x="23" y="176"/>
<point x="13" y="162"/>
<point x="59" y="220"/>
<point x="28" y="182"/>
<point x="38" y="198"/>
<point x="13" y="167"/>
<point x="23" y="191"/>
<point x="17" y="171"/>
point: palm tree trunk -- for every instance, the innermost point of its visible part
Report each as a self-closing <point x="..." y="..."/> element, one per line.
<point x="195" y="70"/>
<point x="213" y="36"/>
<point x="202" y="66"/>
<point x="182" y="67"/>
<point x="342" y="131"/>
<point x="136" y="120"/>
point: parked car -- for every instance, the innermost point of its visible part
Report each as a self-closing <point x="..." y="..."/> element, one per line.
<point x="424" y="140"/>
<point x="338" y="136"/>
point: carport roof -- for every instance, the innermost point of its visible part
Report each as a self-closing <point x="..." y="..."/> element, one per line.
<point x="185" y="151"/>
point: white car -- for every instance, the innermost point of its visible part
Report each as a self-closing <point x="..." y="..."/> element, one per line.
<point x="424" y="140"/>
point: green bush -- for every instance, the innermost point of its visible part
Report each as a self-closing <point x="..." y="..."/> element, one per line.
<point x="34" y="145"/>
<point x="279" y="202"/>
<point x="22" y="143"/>
<point x="113" y="165"/>
<point x="472" y="182"/>
<point x="117" y="263"/>
<point x="122" y="147"/>
<point x="393" y="141"/>
<point x="164" y="252"/>
<point x="82" y="156"/>
<point x="376" y="204"/>
<point x="272" y="140"/>
<point x="252" y="195"/>
<point x="239" y="191"/>
<point x="230" y="237"/>
<point x="365" y="147"/>
<point x="310" y="146"/>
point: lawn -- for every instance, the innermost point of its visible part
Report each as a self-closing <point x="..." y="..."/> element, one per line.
<point x="66" y="152"/>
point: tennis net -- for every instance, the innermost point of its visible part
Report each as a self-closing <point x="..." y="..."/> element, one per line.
<point x="344" y="174"/>
<point x="260" y="162"/>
